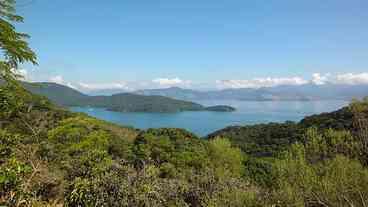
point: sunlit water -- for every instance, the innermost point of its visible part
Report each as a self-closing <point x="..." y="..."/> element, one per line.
<point x="205" y="122"/>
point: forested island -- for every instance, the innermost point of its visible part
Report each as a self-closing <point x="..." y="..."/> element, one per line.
<point x="123" y="102"/>
<point x="220" y="108"/>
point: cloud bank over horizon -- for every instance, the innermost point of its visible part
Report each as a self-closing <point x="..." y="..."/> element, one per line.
<point x="260" y="82"/>
<point x="255" y="83"/>
<point x="317" y="79"/>
<point x="167" y="82"/>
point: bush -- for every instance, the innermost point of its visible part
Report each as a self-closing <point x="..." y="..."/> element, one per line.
<point x="336" y="181"/>
<point x="259" y="171"/>
<point x="328" y="144"/>
<point x="225" y="159"/>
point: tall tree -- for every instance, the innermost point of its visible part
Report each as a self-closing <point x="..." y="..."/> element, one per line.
<point x="15" y="49"/>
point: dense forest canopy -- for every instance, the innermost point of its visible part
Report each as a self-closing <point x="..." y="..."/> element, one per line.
<point x="52" y="157"/>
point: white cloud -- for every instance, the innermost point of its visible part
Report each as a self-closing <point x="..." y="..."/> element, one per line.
<point x="260" y="82"/>
<point x="71" y="86"/>
<point x="172" y="82"/>
<point x="167" y="81"/>
<point x="344" y="79"/>
<point x="103" y="86"/>
<point x="352" y="79"/>
<point x="57" y="79"/>
<point x="319" y="79"/>
<point x="316" y="78"/>
<point x="89" y="86"/>
<point x="60" y="80"/>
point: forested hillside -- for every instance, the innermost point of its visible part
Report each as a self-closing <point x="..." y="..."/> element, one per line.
<point x="269" y="139"/>
<point x="59" y="94"/>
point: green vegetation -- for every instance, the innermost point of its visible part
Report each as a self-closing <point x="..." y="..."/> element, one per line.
<point x="52" y="157"/>
<point x="136" y="103"/>
<point x="267" y="140"/>
<point x="262" y="139"/>
<point x="82" y="161"/>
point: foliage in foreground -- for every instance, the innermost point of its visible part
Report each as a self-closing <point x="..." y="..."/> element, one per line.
<point x="81" y="161"/>
<point x="51" y="157"/>
<point x="320" y="175"/>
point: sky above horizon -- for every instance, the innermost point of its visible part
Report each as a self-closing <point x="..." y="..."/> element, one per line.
<point x="133" y="44"/>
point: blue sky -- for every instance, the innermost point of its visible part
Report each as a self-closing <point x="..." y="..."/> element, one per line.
<point x="194" y="42"/>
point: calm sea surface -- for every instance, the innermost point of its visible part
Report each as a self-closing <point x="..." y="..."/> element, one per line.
<point x="203" y="123"/>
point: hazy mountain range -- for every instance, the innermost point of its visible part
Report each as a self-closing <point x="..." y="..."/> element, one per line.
<point x="307" y="92"/>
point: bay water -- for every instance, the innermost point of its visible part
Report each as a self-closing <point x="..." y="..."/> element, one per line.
<point x="205" y="122"/>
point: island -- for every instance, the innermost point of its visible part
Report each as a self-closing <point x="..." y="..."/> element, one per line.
<point x="122" y="102"/>
<point x="220" y="108"/>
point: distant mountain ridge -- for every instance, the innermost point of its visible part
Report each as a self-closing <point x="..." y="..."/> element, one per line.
<point x="180" y="93"/>
<point x="307" y="92"/>
<point x="124" y="102"/>
<point x="176" y="99"/>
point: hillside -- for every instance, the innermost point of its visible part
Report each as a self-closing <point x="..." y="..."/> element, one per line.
<point x="123" y="102"/>
<point x="269" y="139"/>
<point x="57" y="93"/>
<point x="127" y="102"/>
<point x="262" y="140"/>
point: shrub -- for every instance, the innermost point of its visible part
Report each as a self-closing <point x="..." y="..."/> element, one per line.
<point x="225" y="159"/>
<point x="334" y="181"/>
